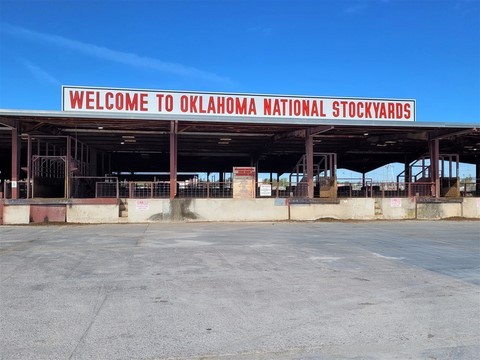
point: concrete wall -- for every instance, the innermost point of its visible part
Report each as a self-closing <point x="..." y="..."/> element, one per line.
<point x="239" y="210"/>
<point x="145" y="210"/>
<point x="206" y="210"/>
<point x="471" y="208"/>
<point x="395" y="208"/>
<point x="16" y="214"/>
<point x="437" y="211"/>
<point x="355" y="209"/>
<point x="47" y="213"/>
<point x="90" y="214"/>
<point x="158" y="210"/>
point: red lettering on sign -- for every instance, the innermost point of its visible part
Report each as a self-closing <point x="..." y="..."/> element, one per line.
<point x="184" y="103"/>
<point x="407" y="111"/>
<point x="76" y="99"/>
<point x="90" y="100"/>
<point x="383" y="111"/>
<point x="193" y="104"/>
<point x="335" y="110"/>
<point x="220" y="105"/>
<point x="97" y="102"/>
<point x="351" y="110"/>
<point x="391" y="111"/>
<point x="131" y="102"/>
<point x="108" y="98"/>
<point x="252" y="109"/>
<point x="368" y="107"/>
<point x="267" y="106"/>
<point x="360" y="107"/>
<point x="230" y="105"/>
<point x="119" y="101"/>
<point x="169" y="103"/>
<point x="211" y="106"/>
<point x="160" y="102"/>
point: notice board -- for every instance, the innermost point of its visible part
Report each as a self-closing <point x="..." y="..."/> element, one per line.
<point x="243" y="182"/>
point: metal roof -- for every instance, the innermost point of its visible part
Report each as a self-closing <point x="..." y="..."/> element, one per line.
<point x="218" y="144"/>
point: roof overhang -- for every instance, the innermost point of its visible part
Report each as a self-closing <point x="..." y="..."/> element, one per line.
<point x="276" y="143"/>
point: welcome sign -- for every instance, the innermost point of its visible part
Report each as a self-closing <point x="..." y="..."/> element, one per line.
<point x="134" y="101"/>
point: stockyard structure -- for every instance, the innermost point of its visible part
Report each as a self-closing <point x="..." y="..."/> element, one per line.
<point x="132" y="155"/>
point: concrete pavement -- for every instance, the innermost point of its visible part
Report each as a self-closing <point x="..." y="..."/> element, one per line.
<point x="319" y="290"/>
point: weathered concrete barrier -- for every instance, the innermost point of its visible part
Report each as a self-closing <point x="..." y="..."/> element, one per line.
<point x="471" y="208"/>
<point x="345" y="209"/>
<point x="395" y="208"/>
<point x="166" y="210"/>
<point x="16" y="214"/>
<point x="92" y="214"/>
<point x="140" y="210"/>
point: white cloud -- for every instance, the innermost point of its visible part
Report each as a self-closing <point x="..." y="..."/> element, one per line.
<point x="355" y="8"/>
<point x="361" y="5"/>
<point x="121" y="57"/>
<point x="39" y="73"/>
<point x="264" y="31"/>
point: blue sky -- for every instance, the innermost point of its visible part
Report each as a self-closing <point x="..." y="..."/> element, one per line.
<point x="428" y="50"/>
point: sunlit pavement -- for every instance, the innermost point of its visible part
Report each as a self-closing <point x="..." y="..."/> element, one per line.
<point x="325" y="290"/>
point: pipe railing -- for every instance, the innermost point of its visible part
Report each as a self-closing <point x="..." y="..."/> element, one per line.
<point x="111" y="187"/>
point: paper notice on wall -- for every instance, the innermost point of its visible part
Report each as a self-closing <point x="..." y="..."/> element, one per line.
<point x="142" y="205"/>
<point x="266" y="190"/>
<point x="396" y="202"/>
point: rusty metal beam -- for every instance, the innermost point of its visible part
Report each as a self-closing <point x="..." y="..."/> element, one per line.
<point x="15" y="159"/>
<point x="29" y="166"/>
<point x="302" y="133"/>
<point x="320" y="129"/>
<point x="309" y="155"/>
<point x="456" y="133"/>
<point x="68" y="163"/>
<point x="434" y="149"/>
<point x="295" y="133"/>
<point x="173" y="158"/>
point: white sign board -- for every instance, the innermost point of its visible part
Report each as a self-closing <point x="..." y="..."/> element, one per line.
<point x="265" y="190"/>
<point x="104" y="100"/>
<point x="243" y="182"/>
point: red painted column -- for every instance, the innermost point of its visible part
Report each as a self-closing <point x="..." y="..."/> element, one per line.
<point x="477" y="177"/>
<point x="15" y="160"/>
<point x="67" y="168"/>
<point x="434" y="148"/>
<point x="309" y="155"/>
<point x="408" y="177"/>
<point x="173" y="158"/>
<point x="29" y="167"/>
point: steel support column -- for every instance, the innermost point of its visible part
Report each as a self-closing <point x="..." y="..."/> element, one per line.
<point x="29" y="166"/>
<point x="309" y="156"/>
<point x="408" y="177"/>
<point x="173" y="158"/>
<point x="15" y="160"/>
<point x="477" y="177"/>
<point x="68" y="165"/>
<point x="434" y="148"/>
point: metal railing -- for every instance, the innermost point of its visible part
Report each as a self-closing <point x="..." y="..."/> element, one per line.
<point x="94" y="187"/>
<point x="145" y="189"/>
<point x="21" y="186"/>
<point x="354" y="188"/>
<point x="205" y="189"/>
<point x="470" y="188"/>
<point x="111" y="187"/>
